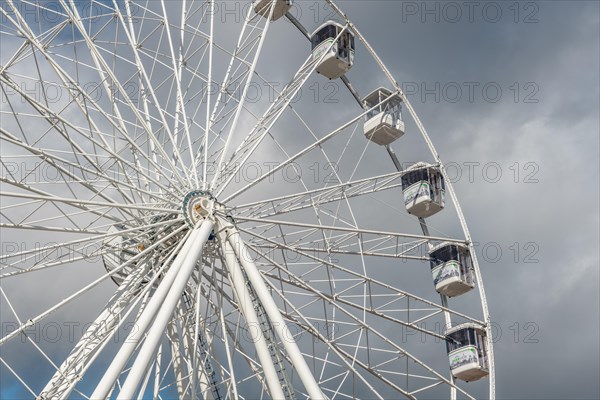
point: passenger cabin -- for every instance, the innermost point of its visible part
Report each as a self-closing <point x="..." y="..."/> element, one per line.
<point x="333" y="45"/>
<point x="383" y="123"/>
<point x="452" y="269"/>
<point x="263" y="8"/>
<point x="424" y="190"/>
<point x="467" y="352"/>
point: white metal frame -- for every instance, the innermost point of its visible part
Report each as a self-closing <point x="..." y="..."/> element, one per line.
<point x="122" y="161"/>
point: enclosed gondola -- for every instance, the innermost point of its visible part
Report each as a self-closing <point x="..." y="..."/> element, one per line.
<point x="383" y="122"/>
<point x="333" y="45"/>
<point x="466" y="345"/>
<point x="452" y="269"/>
<point x="424" y="190"/>
<point x="263" y="7"/>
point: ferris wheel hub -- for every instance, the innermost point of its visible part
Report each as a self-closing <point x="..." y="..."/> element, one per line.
<point x="197" y="205"/>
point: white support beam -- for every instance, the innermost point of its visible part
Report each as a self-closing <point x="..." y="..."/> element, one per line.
<point x="247" y="308"/>
<point x="79" y="360"/>
<point x="142" y="323"/>
<point x="197" y="241"/>
<point x="297" y="359"/>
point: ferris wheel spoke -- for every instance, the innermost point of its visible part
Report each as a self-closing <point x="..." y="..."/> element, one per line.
<point x="149" y="93"/>
<point x="225" y="118"/>
<point x="97" y="239"/>
<point x="64" y="253"/>
<point x="223" y="112"/>
<point x="343" y="296"/>
<point x="265" y="124"/>
<point x="38" y="195"/>
<point x="144" y="253"/>
<point x="208" y="101"/>
<point x="49" y="229"/>
<point x="100" y="229"/>
<point x="247" y="42"/>
<point x="81" y="203"/>
<point x="144" y="91"/>
<point x="177" y="63"/>
<point x="187" y="51"/>
<point x="370" y="243"/>
<point x="39" y="199"/>
<point x="359" y="277"/>
<point x="350" y="231"/>
<point x="67" y="81"/>
<point x="52" y="264"/>
<point x="318" y="143"/>
<point x="317" y="197"/>
<point x="329" y="252"/>
<point x="335" y="245"/>
<point x="55" y="119"/>
<point x="106" y="74"/>
<point x="363" y="326"/>
<point x="250" y="75"/>
<point x="76" y="151"/>
<point x="68" y="168"/>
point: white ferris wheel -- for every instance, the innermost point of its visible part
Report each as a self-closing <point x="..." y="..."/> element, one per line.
<point x="223" y="243"/>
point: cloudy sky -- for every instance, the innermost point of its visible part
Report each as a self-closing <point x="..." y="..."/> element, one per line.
<point x="509" y="93"/>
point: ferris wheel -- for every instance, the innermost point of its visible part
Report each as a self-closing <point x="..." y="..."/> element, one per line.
<point x="214" y="195"/>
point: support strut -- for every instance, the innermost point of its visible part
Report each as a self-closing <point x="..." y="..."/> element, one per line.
<point x="117" y="365"/>
<point x="197" y="239"/>
<point x="247" y="308"/>
<point x="269" y="305"/>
